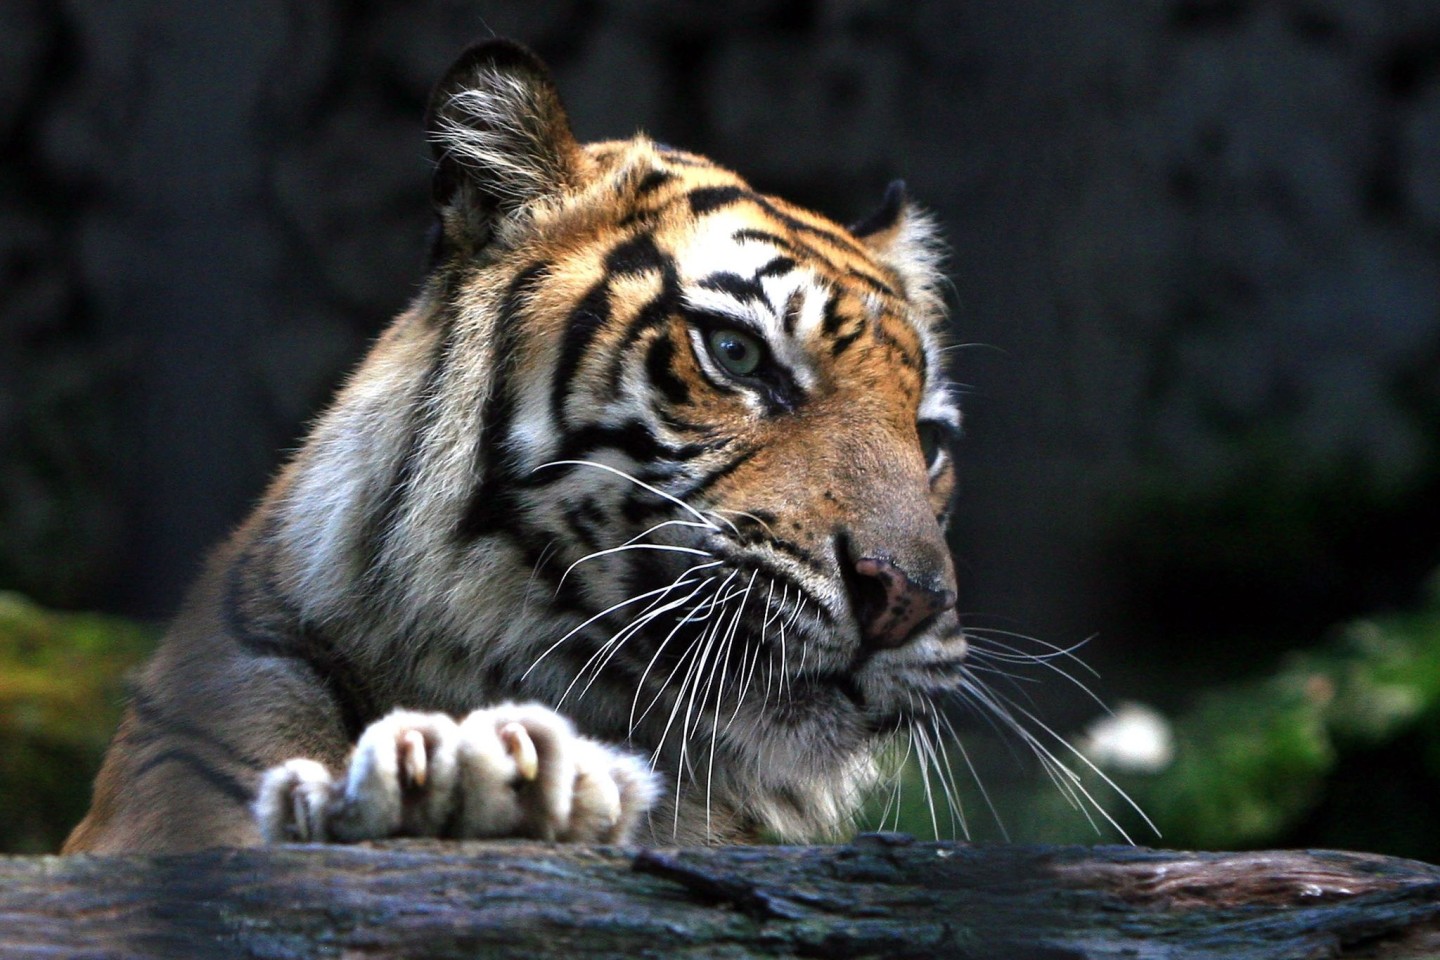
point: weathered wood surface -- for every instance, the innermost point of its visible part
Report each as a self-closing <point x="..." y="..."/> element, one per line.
<point x="880" y="896"/>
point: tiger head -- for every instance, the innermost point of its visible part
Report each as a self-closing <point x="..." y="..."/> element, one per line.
<point x="654" y="448"/>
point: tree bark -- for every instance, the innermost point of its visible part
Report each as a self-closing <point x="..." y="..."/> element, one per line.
<point x="880" y="896"/>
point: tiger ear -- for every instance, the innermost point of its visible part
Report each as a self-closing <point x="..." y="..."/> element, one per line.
<point x="907" y="240"/>
<point x="499" y="136"/>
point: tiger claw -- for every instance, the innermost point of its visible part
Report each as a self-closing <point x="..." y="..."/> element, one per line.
<point x="521" y="749"/>
<point x="302" y="826"/>
<point x="414" y="761"/>
<point x="605" y="794"/>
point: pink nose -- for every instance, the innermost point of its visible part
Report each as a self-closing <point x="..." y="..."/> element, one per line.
<point x="891" y="615"/>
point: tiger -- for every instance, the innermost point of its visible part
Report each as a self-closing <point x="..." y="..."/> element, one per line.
<point x="630" y="529"/>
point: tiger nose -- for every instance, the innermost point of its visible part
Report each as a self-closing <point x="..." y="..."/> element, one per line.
<point x="890" y="606"/>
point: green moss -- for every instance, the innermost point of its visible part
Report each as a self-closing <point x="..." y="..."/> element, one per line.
<point x="62" y="678"/>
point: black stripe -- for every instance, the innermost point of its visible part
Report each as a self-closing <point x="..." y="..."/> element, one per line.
<point x="565" y="595"/>
<point x="585" y="321"/>
<point x="833" y="317"/>
<point x="798" y="249"/>
<point x="264" y="624"/>
<point x="632" y="438"/>
<point x="154" y="722"/>
<point x="842" y="344"/>
<point x="709" y="480"/>
<point x="798" y="553"/>
<point x="380" y="523"/>
<point x="491" y="507"/>
<point x="774" y="239"/>
<point x="884" y="337"/>
<point x="656" y="313"/>
<point x="731" y="283"/>
<point x="776" y="267"/>
<point x="636" y="255"/>
<point x="753" y="526"/>
<point x="705" y="200"/>
<point x="659" y="365"/>
<point x="586" y="521"/>
<point x="639" y="255"/>
<point x="887" y="215"/>
<point x="870" y="280"/>
<point x="653" y="181"/>
<point x="680" y="425"/>
<point x="682" y="159"/>
<point x="221" y="782"/>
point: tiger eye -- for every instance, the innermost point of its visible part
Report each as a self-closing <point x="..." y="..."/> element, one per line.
<point x="739" y="353"/>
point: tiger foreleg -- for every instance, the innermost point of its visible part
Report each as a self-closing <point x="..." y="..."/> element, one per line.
<point x="508" y="771"/>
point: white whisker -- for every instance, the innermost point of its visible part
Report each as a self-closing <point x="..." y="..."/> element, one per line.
<point x="619" y="638"/>
<point x="599" y="616"/>
<point x="661" y="547"/>
<point x="1003" y="709"/>
<point x="635" y="480"/>
<point x="640" y="685"/>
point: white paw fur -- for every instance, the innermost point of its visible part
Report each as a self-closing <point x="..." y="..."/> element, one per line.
<point x="508" y="771"/>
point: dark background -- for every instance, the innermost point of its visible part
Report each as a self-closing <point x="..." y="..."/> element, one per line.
<point x="1194" y="252"/>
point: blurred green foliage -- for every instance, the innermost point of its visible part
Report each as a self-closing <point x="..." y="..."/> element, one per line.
<point x="1302" y="756"/>
<point x="62" y="678"/>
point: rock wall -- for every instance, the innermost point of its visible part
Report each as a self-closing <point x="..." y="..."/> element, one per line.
<point x="1194" y="258"/>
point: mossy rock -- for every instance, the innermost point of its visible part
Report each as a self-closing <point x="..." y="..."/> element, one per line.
<point x="62" y="683"/>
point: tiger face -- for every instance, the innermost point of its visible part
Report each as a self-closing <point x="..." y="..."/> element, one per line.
<point x="653" y="448"/>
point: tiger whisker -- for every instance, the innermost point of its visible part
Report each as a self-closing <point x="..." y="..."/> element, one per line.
<point x="747" y="515"/>
<point x="1056" y="651"/>
<point x="974" y="775"/>
<point x="897" y="794"/>
<point x="690" y="683"/>
<point x="1012" y="655"/>
<point x="601" y="615"/>
<point x="922" y="753"/>
<point x="618" y="639"/>
<point x="1003" y="707"/>
<point x="640" y="684"/>
<point x="674" y="522"/>
<point x="691" y="660"/>
<point x="661" y="547"/>
<point x="635" y="480"/>
<point x="716" y="513"/>
<point x="545" y="552"/>
<point x="947" y="781"/>
<point x="723" y="656"/>
<point x="750" y="674"/>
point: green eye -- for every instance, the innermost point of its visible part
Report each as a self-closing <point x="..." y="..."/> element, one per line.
<point x="739" y="353"/>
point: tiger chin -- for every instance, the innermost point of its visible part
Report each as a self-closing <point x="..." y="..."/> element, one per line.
<point x="630" y="529"/>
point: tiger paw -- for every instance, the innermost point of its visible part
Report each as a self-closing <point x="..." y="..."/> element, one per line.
<point x="508" y="771"/>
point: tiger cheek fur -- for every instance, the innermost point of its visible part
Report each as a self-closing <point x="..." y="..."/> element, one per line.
<point x="630" y="528"/>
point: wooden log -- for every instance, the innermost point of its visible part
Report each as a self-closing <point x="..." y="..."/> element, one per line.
<point x="879" y="896"/>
